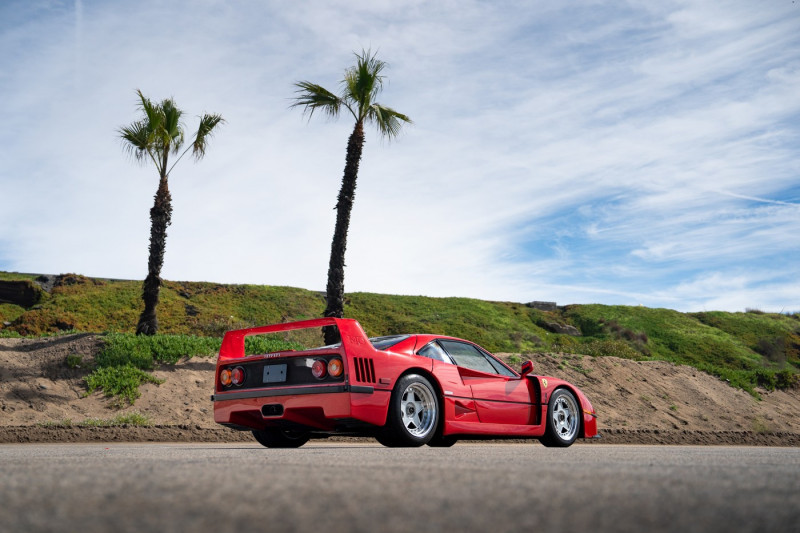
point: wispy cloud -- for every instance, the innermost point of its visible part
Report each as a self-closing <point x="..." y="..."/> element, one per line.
<point x="623" y="152"/>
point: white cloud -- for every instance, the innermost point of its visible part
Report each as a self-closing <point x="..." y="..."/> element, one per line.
<point x="626" y="152"/>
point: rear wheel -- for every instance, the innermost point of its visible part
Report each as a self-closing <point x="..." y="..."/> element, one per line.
<point x="281" y="438"/>
<point x="413" y="413"/>
<point x="440" y="440"/>
<point x="563" y="420"/>
<point x="383" y="437"/>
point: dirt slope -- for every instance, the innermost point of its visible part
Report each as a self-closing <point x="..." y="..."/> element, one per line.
<point x="635" y="401"/>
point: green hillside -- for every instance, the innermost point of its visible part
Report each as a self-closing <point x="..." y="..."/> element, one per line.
<point x="748" y="349"/>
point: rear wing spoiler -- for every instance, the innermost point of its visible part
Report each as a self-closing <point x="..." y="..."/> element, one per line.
<point x="350" y="331"/>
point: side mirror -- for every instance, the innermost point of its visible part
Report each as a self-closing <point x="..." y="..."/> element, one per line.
<point x="527" y="368"/>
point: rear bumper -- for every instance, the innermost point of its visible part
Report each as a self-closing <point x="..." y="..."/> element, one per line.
<point x="293" y="391"/>
<point x="320" y="408"/>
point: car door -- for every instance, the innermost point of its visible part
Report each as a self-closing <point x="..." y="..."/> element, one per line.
<point x="500" y="395"/>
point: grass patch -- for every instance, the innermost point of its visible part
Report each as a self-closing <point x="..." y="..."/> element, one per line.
<point x="125" y="359"/>
<point x="129" y="419"/>
<point x="120" y="382"/>
<point x="125" y="419"/>
<point x="497" y="326"/>
<point x="144" y="352"/>
<point x="719" y="343"/>
<point x="514" y="360"/>
<point x="74" y="361"/>
<point x="749" y="350"/>
<point x="206" y="309"/>
<point x="12" y="334"/>
<point x="10" y="312"/>
<point x="606" y="347"/>
<point x="761" y="426"/>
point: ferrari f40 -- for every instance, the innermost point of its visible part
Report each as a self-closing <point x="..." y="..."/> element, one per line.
<point x="403" y="390"/>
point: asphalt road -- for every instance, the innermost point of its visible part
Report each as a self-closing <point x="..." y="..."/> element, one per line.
<point x="359" y="487"/>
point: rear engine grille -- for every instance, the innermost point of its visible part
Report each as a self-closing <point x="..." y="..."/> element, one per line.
<point x="364" y="369"/>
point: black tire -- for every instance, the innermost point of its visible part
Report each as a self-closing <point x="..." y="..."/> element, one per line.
<point x="383" y="437"/>
<point x="563" y="420"/>
<point x="442" y="441"/>
<point x="281" y="438"/>
<point x="413" y="413"/>
<point x="439" y="440"/>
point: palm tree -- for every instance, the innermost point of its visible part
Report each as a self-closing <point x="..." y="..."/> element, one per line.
<point x="361" y="85"/>
<point x="157" y="134"/>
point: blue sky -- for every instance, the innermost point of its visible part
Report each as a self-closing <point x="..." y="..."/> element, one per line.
<point x="640" y="153"/>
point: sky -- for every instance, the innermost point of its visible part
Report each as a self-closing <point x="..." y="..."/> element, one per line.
<point x="619" y="152"/>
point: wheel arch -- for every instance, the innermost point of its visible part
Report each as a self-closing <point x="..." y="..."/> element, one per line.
<point x="427" y="374"/>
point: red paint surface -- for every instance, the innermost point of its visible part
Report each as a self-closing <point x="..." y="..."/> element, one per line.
<point x="472" y="402"/>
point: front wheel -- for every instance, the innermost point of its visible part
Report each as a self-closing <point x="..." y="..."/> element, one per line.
<point x="442" y="441"/>
<point x="563" y="420"/>
<point x="281" y="438"/>
<point x="413" y="413"/>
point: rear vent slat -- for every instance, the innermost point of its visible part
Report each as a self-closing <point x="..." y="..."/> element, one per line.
<point x="364" y="370"/>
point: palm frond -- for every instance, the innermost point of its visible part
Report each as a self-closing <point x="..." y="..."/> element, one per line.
<point x="312" y="97"/>
<point x="136" y="139"/>
<point x="171" y="133"/>
<point x="153" y="114"/>
<point x="363" y="82"/>
<point x="359" y="89"/>
<point x="388" y="121"/>
<point x="161" y="131"/>
<point x="204" y="133"/>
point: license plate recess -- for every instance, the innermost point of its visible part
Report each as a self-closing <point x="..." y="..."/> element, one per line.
<point x="275" y="373"/>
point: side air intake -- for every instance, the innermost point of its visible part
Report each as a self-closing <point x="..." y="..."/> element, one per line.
<point x="364" y="369"/>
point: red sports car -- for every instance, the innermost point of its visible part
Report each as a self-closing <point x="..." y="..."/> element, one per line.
<point x="404" y="390"/>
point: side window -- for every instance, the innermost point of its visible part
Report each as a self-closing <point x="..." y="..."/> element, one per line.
<point x="502" y="370"/>
<point x="433" y="351"/>
<point x="468" y="356"/>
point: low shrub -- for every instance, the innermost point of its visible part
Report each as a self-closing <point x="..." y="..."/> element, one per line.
<point x="124" y="359"/>
<point x="773" y="348"/>
<point x="786" y="379"/>
<point x="121" y="382"/>
<point x="74" y="361"/>
<point x="609" y="347"/>
<point x="765" y="379"/>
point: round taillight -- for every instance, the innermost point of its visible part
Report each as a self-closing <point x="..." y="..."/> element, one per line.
<point x="237" y="375"/>
<point x="225" y="377"/>
<point x="319" y="369"/>
<point x="335" y="367"/>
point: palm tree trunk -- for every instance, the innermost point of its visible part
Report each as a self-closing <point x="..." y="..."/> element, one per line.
<point x="335" y="288"/>
<point x="160" y="218"/>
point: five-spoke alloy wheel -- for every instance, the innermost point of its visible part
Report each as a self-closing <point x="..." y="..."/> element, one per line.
<point x="563" y="420"/>
<point x="413" y="413"/>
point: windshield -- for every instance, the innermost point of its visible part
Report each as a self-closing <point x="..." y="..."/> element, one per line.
<point x="386" y="342"/>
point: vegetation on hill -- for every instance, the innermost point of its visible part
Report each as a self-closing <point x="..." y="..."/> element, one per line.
<point x="748" y="349"/>
<point x="122" y="364"/>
